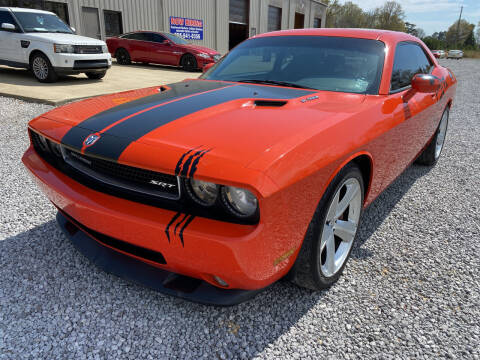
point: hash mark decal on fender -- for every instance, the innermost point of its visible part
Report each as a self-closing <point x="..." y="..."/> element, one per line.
<point x="185" y="220"/>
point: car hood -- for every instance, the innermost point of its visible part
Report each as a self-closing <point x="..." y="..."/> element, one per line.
<point x="56" y="38"/>
<point x="201" y="49"/>
<point x="234" y="123"/>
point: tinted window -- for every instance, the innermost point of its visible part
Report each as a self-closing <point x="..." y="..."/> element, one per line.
<point x="410" y="59"/>
<point x="154" y="37"/>
<point x="6" y="17"/>
<point x="133" y="36"/>
<point x="318" y="62"/>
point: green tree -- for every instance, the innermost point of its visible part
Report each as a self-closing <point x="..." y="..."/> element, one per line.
<point x="470" y="41"/>
<point x="458" y="32"/>
<point x="390" y="17"/>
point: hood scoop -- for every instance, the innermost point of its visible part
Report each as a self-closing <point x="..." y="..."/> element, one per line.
<point x="270" y="103"/>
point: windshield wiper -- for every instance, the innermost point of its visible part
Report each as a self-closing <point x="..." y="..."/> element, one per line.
<point x="274" y="82"/>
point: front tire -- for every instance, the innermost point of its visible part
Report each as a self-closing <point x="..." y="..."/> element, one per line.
<point x="42" y="69"/>
<point x="332" y="232"/>
<point x="96" y="75"/>
<point x="188" y="62"/>
<point x="432" y="152"/>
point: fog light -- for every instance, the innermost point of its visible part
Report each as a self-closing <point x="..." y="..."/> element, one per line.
<point x="220" y="281"/>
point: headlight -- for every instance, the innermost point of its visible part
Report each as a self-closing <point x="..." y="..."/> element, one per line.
<point x="240" y="202"/>
<point x="205" y="56"/>
<point x="203" y="192"/>
<point x="217" y="57"/>
<point x="63" y="48"/>
<point x="104" y="49"/>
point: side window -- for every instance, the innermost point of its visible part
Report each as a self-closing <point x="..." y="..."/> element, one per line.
<point x="132" y="36"/>
<point x="6" y="17"/>
<point x="410" y="59"/>
<point x="157" y="38"/>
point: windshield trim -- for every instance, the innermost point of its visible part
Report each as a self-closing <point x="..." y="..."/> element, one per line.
<point x="381" y="64"/>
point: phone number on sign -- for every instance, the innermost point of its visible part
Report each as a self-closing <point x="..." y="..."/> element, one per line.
<point x="190" y="36"/>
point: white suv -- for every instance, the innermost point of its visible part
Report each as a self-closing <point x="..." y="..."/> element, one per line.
<point x="40" y="41"/>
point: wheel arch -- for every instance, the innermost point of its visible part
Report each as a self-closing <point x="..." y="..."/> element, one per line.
<point x="364" y="161"/>
<point x="119" y="48"/>
<point x="37" y="51"/>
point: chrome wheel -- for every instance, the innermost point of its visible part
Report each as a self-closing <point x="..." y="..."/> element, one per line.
<point x="40" y="68"/>
<point x="340" y="226"/>
<point x="442" y="132"/>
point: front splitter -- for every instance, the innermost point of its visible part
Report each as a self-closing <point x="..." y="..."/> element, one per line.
<point x="137" y="271"/>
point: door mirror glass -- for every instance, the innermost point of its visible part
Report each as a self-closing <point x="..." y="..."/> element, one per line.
<point x="425" y="83"/>
<point x="8" y="27"/>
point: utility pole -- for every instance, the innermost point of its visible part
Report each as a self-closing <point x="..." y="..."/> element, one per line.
<point x="458" y="27"/>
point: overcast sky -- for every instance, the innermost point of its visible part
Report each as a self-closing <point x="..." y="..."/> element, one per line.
<point x="431" y="15"/>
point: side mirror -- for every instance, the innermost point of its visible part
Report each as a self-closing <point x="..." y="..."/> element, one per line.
<point x="166" y="42"/>
<point x="73" y="29"/>
<point x="8" y="27"/>
<point x="207" y="67"/>
<point x="426" y="83"/>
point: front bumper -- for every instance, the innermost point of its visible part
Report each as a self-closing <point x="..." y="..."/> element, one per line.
<point x="137" y="271"/>
<point x="242" y="255"/>
<point x="76" y="63"/>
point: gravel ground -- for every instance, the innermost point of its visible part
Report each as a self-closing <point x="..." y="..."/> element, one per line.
<point x="411" y="288"/>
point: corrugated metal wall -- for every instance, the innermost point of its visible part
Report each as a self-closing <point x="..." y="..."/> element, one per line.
<point x="154" y="15"/>
<point x="136" y="15"/>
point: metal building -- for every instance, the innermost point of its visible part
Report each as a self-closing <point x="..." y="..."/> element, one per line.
<point x="218" y="24"/>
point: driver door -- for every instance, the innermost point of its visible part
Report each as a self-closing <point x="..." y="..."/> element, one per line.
<point x="410" y="113"/>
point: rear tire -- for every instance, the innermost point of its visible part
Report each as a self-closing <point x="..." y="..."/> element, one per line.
<point x="123" y="57"/>
<point x="332" y="232"/>
<point x="188" y="62"/>
<point x="432" y="152"/>
<point x="42" y="69"/>
<point x="96" y="75"/>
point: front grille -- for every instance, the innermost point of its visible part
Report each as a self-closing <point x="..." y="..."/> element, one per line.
<point x="88" y="49"/>
<point x="122" y="176"/>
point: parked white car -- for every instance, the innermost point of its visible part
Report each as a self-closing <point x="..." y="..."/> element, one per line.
<point x="40" y="41"/>
<point x="455" y="54"/>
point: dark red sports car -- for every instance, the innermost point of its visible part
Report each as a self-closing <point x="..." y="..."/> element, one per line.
<point x="160" y="48"/>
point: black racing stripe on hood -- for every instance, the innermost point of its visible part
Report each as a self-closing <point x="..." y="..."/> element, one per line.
<point x="115" y="140"/>
<point x="106" y="118"/>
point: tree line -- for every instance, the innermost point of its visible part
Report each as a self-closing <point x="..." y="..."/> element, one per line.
<point x="390" y="16"/>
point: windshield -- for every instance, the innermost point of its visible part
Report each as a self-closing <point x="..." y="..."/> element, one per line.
<point x="318" y="62"/>
<point x="41" y="22"/>
<point x="176" y="39"/>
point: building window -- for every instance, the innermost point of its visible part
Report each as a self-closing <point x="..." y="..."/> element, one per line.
<point x="60" y="9"/>
<point x="317" y="23"/>
<point x="113" y="23"/>
<point x="274" y="18"/>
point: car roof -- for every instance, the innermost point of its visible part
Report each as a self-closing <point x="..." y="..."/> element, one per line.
<point x="372" y="34"/>
<point x="18" y="9"/>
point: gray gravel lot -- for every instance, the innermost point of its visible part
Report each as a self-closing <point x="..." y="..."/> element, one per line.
<point x="411" y="288"/>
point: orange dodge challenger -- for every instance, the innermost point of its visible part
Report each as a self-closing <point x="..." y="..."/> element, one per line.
<point x="212" y="189"/>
